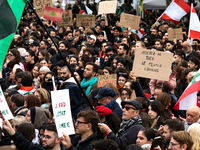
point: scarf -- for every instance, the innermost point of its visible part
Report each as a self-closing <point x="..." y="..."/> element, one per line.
<point x="126" y="124"/>
<point x="110" y="104"/>
<point x="88" y="84"/>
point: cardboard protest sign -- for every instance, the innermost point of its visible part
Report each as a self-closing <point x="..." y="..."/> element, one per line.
<point x="127" y="20"/>
<point x="66" y="19"/>
<point x="152" y="64"/>
<point x="87" y="21"/>
<point x="107" y="7"/>
<point x="175" y="34"/>
<point x="53" y="14"/>
<point x="40" y="5"/>
<point x="62" y="112"/>
<point x="103" y="79"/>
<point x="5" y="110"/>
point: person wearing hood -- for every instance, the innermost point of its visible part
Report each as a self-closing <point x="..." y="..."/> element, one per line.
<point x="38" y="117"/>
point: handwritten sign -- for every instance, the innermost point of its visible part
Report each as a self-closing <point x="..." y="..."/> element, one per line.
<point x="103" y="79"/>
<point x="40" y="5"/>
<point x="152" y="64"/>
<point x="87" y="21"/>
<point x="127" y="20"/>
<point x="107" y="7"/>
<point x="62" y="112"/>
<point x="66" y="19"/>
<point x="5" y="110"/>
<point x="175" y="34"/>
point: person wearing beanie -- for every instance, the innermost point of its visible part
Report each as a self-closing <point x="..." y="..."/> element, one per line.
<point x="109" y="118"/>
<point x="130" y="126"/>
<point x="43" y="70"/>
<point x="106" y="97"/>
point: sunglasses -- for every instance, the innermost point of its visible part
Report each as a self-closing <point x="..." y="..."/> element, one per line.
<point x="128" y="108"/>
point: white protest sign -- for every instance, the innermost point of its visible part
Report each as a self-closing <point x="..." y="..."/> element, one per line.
<point x="1" y="122"/>
<point x="62" y="112"/>
<point x="5" y="110"/>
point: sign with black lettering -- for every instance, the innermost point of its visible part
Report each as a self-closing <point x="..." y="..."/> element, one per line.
<point x="103" y="79"/>
<point x="152" y="64"/>
<point x="66" y="19"/>
<point x="40" y="5"/>
<point x="87" y="21"/>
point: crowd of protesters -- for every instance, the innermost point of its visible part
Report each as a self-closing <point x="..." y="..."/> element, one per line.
<point x="146" y="122"/>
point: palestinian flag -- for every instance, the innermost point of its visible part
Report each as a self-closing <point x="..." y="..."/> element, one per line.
<point x="189" y="96"/>
<point x="139" y="33"/>
<point x="11" y="12"/>
<point x="84" y="8"/>
<point x="53" y="14"/>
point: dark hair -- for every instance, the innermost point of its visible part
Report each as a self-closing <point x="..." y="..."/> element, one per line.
<point x="125" y="47"/>
<point x="184" y="64"/>
<point x="43" y="58"/>
<point x="52" y="127"/>
<point x="146" y="120"/>
<point x="114" y="120"/>
<point x="18" y="99"/>
<point x="44" y="53"/>
<point x="32" y="54"/>
<point x="183" y="80"/>
<point x="95" y="67"/>
<point x="19" y="75"/>
<point x="27" y="80"/>
<point x="149" y="133"/>
<point x="27" y="130"/>
<point x="123" y="62"/>
<point x="12" y="63"/>
<point x="133" y="147"/>
<point x="111" y="48"/>
<point x="85" y="59"/>
<point x="52" y="51"/>
<point x="74" y="56"/>
<point x="110" y="70"/>
<point x="174" y="125"/>
<point x="31" y="101"/>
<point x="105" y="144"/>
<point x="127" y="90"/>
<point x="195" y="60"/>
<point x="90" y="116"/>
<point x="89" y="50"/>
<point x="158" y="107"/>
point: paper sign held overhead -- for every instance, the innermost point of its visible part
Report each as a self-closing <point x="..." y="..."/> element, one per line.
<point x="87" y="21"/>
<point x="53" y="14"/>
<point x="66" y="19"/>
<point x="175" y="34"/>
<point x="152" y="64"/>
<point x="127" y="20"/>
<point x="5" y="110"/>
<point x="103" y="79"/>
<point x="107" y="7"/>
<point x="62" y="112"/>
<point x="40" y="5"/>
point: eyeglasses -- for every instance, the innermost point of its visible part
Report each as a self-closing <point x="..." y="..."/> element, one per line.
<point x="121" y="73"/>
<point x="173" y="144"/>
<point x="127" y="108"/>
<point x="79" y="122"/>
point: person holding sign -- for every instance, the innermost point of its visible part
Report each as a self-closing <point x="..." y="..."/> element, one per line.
<point x="50" y="139"/>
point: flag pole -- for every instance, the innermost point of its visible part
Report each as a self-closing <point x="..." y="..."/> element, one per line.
<point x="84" y="95"/>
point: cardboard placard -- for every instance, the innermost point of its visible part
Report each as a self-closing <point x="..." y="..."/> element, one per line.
<point x="40" y="5"/>
<point x="107" y="7"/>
<point x="152" y="64"/>
<point x="62" y="112"/>
<point x="103" y="79"/>
<point x="66" y="19"/>
<point x="127" y="20"/>
<point x="5" y="110"/>
<point x="175" y="34"/>
<point x="87" y="21"/>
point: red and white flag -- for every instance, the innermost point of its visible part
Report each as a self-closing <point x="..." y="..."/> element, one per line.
<point x="175" y="11"/>
<point x="189" y="96"/>
<point x="194" y="27"/>
<point x="53" y="14"/>
<point x="139" y="33"/>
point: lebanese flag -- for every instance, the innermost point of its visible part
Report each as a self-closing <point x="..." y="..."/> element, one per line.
<point x="176" y="10"/>
<point x="194" y="28"/>
<point x="139" y="33"/>
<point x="53" y="14"/>
<point x="189" y="96"/>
